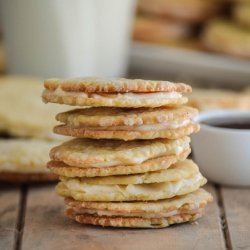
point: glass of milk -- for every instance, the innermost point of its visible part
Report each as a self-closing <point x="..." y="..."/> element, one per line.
<point x="67" y="38"/>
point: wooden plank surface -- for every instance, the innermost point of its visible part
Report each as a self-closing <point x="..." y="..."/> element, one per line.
<point x="237" y="210"/>
<point x="46" y="227"/>
<point x="9" y="208"/>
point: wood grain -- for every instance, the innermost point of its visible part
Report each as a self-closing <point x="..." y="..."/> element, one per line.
<point x="9" y="208"/>
<point x="237" y="210"/>
<point x="46" y="227"/>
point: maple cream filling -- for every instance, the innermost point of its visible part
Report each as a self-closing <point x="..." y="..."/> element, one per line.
<point x="148" y="215"/>
<point x="75" y="185"/>
<point x="148" y="127"/>
<point x="128" y="96"/>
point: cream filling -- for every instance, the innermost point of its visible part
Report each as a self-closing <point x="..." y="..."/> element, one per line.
<point x="148" y="127"/>
<point x="127" y="96"/>
<point x="75" y="185"/>
<point x="147" y="215"/>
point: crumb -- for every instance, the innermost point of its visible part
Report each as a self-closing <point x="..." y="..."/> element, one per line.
<point x="194" y="223"/>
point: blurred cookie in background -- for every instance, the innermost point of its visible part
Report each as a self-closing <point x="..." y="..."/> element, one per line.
<point x="22" y="112"/>
<point x="190" y="11"/>
<point x="226" y="37"/>
<point x="26" y="125"/>
<point x="159" y="29"/>
<point x="241" y="14"/>
<point x="207" y="99"/>
<point x="24" y="160"/>
<point x="165" y="32"/>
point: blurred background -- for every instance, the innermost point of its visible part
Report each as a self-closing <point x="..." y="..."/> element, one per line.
<point x="205" y="43"/>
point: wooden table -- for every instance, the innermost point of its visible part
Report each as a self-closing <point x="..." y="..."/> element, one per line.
<point x="32" y="217"/>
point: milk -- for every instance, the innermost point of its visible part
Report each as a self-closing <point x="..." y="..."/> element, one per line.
<point x="67" y="38"/>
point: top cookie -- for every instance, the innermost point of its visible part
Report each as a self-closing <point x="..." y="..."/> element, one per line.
<point x="120" y="92"/>
<point x="115" y="85"/>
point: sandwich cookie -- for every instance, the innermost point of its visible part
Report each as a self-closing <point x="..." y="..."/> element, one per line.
<point x="155" y="164"/>
<point x="24" y="160"/>
<point x="85" y="157"/>
<point x="158" y="186"/>
<point x="120" y="92"/>
<point x="128" y="124"/>
<point x="152" y="214"/>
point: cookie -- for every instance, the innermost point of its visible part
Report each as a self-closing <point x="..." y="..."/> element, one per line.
<point x="226" y="37"/>
<point x="120" y="92"/>
<point x="133" y="222"/>
<point x="22" y="113"/>
<point x="157" y="29"/>
<point x="86" y="153"/>
<point x="25" y="160"/>
<point x="150" y="209"/>
<point x="127" y="135"/>
<point x="114" y="85"/>
<point x="150" y="214"/>
<point x="189" y="11"/>
<point x="127" y="124"/>
<point x="155" y="164"/>
<point x="210" y="99"/>
<point x="81" y="191"/>
<point x="241" y="14"/>
<point x="176" y="172"/>
<point x="127" y="119"/>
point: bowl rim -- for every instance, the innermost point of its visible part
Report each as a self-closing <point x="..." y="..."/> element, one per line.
<point x="204" y="115"/>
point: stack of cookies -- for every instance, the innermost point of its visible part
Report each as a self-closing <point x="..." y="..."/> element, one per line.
<point x="127" y="167"/>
